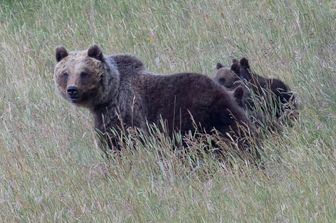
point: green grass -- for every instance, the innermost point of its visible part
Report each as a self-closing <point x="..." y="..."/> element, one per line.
<point x="51" y="170"/>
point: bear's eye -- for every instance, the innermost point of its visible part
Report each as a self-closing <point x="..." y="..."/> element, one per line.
<point x="64" y="76"/>
<point x="222" y="81"/>
<point x="84" y="75"/>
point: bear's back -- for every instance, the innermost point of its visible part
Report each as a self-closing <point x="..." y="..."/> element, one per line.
<point x="177" y="97"/>
<point x="127" y="64"/>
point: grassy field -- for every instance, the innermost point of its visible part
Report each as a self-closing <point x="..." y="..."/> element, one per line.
<point x="51" y="170"/>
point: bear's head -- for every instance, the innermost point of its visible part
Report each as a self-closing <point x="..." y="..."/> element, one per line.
<point x="241" y="68"/>
<point x="236" y="86"/>
<point x="226" y="76"/>
<point x="83" y="77"/>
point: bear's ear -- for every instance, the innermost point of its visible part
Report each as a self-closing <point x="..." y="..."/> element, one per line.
<point x="238" y="92"/>
<point x="95" y="52"/>
<point x="61" y="52"/>
<point x="244" y="63"/>
<point x="219" y="66"/>
<point x="235" y="61"/>
<point x="235" y="68"/>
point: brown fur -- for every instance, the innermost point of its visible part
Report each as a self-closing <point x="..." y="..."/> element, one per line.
<point x="225" y="76"/>
<point x="233" y="83"/>
<point x="275" y="92"/>
<point x="120" y="93"/>
<point x="273" y="85"/>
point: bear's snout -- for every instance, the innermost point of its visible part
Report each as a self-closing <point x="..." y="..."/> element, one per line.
<point x="73" y="93"/>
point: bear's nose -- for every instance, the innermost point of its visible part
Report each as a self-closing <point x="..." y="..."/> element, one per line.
<point x="73" y="92"/>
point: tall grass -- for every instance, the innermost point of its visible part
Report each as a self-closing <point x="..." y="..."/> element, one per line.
<point x="51" y="170"/>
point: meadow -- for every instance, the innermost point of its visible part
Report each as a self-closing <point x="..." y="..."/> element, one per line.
<point x="51" y="169"/>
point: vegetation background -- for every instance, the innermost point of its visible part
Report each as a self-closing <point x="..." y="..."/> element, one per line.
<point x="51" y="170"/>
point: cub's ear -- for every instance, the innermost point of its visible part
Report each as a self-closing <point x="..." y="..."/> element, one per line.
<point x="95" y="52"/>
<point x="61" y="52"/>
<point x="235" y="67"/>
<point x="244" y="63"/>
<point x="238" y="92"/>
<point x="235" y="61"/>
<point x="219" y="66"/>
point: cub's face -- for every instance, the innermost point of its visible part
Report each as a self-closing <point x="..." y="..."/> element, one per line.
<point x="78" y="75"/>
<point x="225" y="76"/>
<point x="228" y="77"/>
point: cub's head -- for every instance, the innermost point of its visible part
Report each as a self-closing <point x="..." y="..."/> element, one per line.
<point x="229" y="77"/>
<point x="80" y="76"/>
<point x="226" y="76"/>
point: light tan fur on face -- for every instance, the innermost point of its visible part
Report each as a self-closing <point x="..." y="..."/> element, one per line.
<point x="226" y="77"/>
<point x="73" y="65"/>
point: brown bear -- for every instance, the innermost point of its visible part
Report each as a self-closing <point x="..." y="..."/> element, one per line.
<point x="235" y="85"/>
<point x="276" y="86"/>
<point x="240" y="92"/>
<point x="120" y="93"/>
<point x="274" y="92"/>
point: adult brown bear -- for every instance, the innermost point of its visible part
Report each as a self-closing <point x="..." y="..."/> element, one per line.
<point x="120" y="93"/>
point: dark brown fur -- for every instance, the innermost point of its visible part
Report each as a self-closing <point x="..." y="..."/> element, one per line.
<point x="228" y="78"/>
<point x="274" y="90"/>
<point x="276" y="86"/>
<point x="126" y="95"/>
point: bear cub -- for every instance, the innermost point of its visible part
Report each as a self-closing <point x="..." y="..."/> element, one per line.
<point x="278" y="97"/>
